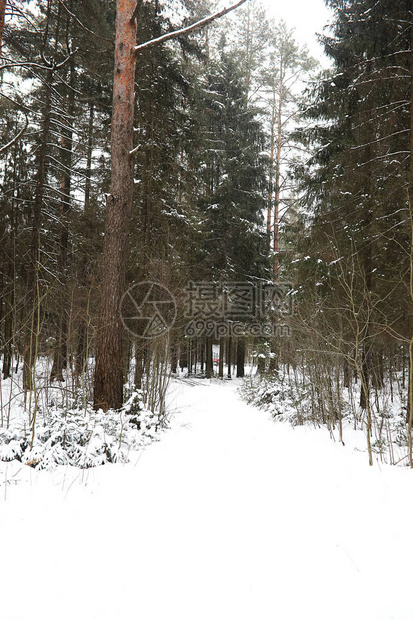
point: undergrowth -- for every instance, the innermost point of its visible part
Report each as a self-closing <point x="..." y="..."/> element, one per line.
<point x="79" y="436"/>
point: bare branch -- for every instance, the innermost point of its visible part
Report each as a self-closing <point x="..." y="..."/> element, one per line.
<point x="135" y="150"/>
<point x="200" y="24"/>
<point x="66" y="60"/>
<point x="9" y="144"/>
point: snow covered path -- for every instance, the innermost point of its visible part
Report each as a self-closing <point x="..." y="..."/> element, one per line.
<point x="229" y="517"/>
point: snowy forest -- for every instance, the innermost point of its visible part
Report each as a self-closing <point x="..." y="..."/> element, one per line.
<point x="220" y="166"/>
<point x="206" y="311"/>
<point x="235" y="160"/>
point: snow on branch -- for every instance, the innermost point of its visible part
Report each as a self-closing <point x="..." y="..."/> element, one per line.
<point x="197" y="25"/>
<point x="9" y="144"/>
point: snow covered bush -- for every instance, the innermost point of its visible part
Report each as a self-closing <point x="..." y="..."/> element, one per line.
<point x="80" y="436"/>
<point x="293" y="397"/>
<point x="278" y="396"/>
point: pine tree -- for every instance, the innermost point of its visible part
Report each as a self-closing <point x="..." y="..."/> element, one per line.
<point x="108" y="381"/>
<point x="287" y="66"/>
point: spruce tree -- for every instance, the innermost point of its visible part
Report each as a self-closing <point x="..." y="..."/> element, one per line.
<point x="234" y="178"/>
<point x="358" y="178"/>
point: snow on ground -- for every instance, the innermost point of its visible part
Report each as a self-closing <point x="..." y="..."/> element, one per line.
<point x="230" y="516"/>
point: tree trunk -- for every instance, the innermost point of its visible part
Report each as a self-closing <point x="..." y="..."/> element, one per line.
<point x="196" y="350"/>
<point x="209" y="364"/>
<point x="202" y="356"/>
<point x="2" y="14"/>
<point x="82" y="344"/>
<point x="8" y="326"/>
<point x="183" y="355"/>
<point x="365" y="369"/>
<point x="229" y="360"/>
<point x="271" y="167"/>
<point x="60" y="352"/>
<point x="29" y="353"/>
<point x="108" y="379"/>
<point x="346" y="373"/>
<point x="241" y="358"/>
<point x="174" y="358"/>
<point x="221" y="358"/>
<point x="190" y="357"/>
<point x="139" y="365"/>
<point x="9" y="268"/>
<point x="410" y="374"/>
<point x="88" y="180"/>
<point x="278" y="173"/>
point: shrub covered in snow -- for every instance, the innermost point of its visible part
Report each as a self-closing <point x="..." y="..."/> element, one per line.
<point x="294" y="398"/>
<point x="80" y="436"/>
<point x="276" y="395"/>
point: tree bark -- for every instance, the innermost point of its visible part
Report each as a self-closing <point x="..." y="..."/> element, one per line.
<point x="202" y="356"/>
<point x="209" y="370"/>
<point x="410" y="197"/>
<point x="183" y="355"/>
<point x="139" y="364"/>
<point x="346" y="373"/>
<point x="10" y="271"/>
<point x="174" y="357"/>
<point x="190" y="357"/>
<point x="82" y="344"/>
<point x="2" y="15"/>
<point x="278" y="173"/>
<point x="60" y="352"/>
<point x="271" y="170"/>
<point x="241" y="358"/>
<point x="221" y="358"/>
<point x="229" y="360"/>
<point x="33" y="266"/>
<point x="108" y="379"/>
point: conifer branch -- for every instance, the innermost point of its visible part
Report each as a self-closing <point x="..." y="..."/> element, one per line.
<point x="79" y="23"/>
<point x="196" y="26"/>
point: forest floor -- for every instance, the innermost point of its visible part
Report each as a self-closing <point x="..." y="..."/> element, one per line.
<point x="230" y="516"/>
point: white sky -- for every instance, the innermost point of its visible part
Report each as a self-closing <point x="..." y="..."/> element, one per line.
<point x="306" y="16"/>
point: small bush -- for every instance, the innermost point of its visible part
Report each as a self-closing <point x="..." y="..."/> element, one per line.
<point x="81" y="438"/>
